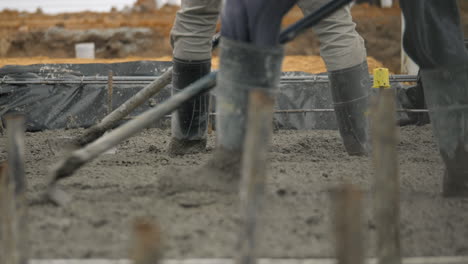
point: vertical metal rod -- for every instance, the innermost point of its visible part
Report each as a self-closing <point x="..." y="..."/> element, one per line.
<point x="2" y="129"/>
<point x="254" y="164"/>
<point x="13" y="206"/>
<point x="110" y="91"/>
<point x="386" y="180"/>
<point x="146" y="247"/>
<point x="17" y="177"/>
<point x="6" y="205"/>
<point x="9" y="237"/>
<point x="15" y="149"/>
<point x="210" y="116"/>
<point x="347" y="213"/>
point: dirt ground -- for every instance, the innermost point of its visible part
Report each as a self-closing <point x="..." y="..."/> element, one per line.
<point x="310" y="64"/>
<point x="114" y="190"/>
<point x="37" y="34"/>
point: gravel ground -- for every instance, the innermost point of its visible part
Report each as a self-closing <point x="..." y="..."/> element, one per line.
<point x="117" y="188"/>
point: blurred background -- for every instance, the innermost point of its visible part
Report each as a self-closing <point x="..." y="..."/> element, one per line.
<point x="33" y="31"/>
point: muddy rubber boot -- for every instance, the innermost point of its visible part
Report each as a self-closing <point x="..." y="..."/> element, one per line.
<point x="243" y="67"/>
<point x="350" y="93"/>
<point x="190" y="122"/>
<point x="446" y="93"/>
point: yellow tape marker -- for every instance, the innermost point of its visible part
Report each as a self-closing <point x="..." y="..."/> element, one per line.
<point x="381" y="78"/>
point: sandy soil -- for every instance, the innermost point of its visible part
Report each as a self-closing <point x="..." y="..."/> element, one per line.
<point x="311" y="64"/>
<point x="26" y="34"/>
<point x="115" y="189"/>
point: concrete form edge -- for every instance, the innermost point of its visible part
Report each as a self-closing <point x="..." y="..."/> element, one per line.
<point x="411" y="260"/>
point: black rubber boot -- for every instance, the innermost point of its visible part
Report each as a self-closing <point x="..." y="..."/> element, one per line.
<point x="446" y="93"/>
<point x="190" y="121"/>
<point x="243" y="67"/>
<point x="350" y="93"/>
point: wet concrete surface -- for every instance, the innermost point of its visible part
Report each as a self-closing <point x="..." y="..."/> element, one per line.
<point x="114" y="190"/>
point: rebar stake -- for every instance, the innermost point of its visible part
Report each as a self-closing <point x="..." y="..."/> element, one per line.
<point x="146" y="247"/>
<point x="347" y="214"/>
<point x="386" y="180"/>
<point x="110" y="91"/>
<point x="254" y="165"/>
<point x="7" y="225"/>
<point x="13" y="204"/>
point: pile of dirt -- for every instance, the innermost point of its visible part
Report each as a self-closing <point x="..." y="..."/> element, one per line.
<point x="311" y="64"/>
<point x="24" y="34"/>
<point x="116" y="34"/>
<point x="118" y="187"/>
<point x="110" y="43"/>
<point x="37" y="34"/>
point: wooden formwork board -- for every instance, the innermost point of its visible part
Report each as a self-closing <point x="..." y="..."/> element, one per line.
<point x="412" y="260"/>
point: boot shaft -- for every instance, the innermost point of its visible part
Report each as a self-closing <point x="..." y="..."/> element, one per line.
<point x="190" y="121"/>
<point x="243" y="67"/>
<point x="350" y="93"/>
<point x="446" y="94"/>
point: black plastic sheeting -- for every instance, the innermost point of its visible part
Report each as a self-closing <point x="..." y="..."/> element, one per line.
<point x="58" y="106"/>
<point x="55" y="106"/>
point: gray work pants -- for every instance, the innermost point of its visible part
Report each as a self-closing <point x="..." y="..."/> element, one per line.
<point x="194" y="26"/>
<point x="341" y="46"/>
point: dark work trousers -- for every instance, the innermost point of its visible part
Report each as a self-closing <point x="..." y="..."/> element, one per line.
<point x="433" y="36"/>
<point x="254" y="21"/>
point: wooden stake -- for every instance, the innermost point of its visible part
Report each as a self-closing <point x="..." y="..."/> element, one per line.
<point x="14" y="203"/>
<point x="15" y="149"/>
<point x="8" y="219"/>
<point x="146" y="248"/>
<point x="210" y="117"/>
<point x="6" y="230"/>
<point x="386" y="181"/>
<point x="347" y="214"/>
<point x="110" y="91"/>
<point x="254" y="165"/>
<point x="2" y="129"/>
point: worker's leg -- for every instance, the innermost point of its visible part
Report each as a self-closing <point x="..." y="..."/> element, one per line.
<point x="434" y="40"/>
<point x="433" y="36"/>
<point x="191" y="35"/>
<point x="255" y="21"/>
<point x="344" y="53"/>
<point x="340" y="45"/>
<point x="250" y="58"/>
